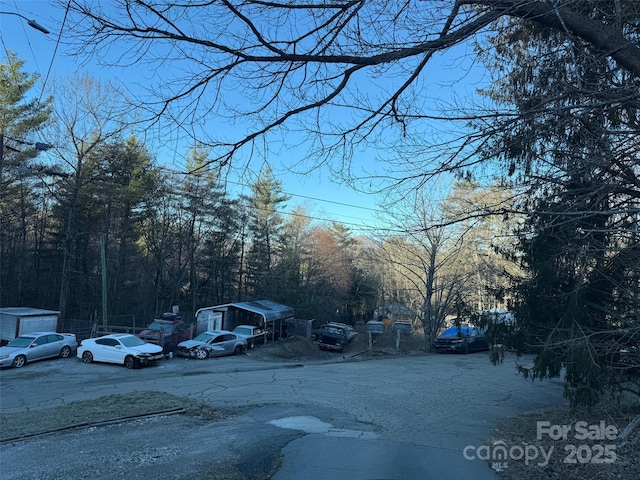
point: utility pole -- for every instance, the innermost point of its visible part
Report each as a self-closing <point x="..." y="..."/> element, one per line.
<point x="103" y="265"/>
<point x="1" y="163"/>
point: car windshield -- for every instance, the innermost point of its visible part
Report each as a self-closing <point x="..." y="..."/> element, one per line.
<point x="458" y="331"/>
<point x="20" y="342"/>
<point x="160" y="326"/>
<point x="131" y="341"/>
<point x="204" y="337"/>
<point x="242" y="330"/>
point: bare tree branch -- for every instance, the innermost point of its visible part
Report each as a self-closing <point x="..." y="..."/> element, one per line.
<point x="294" y="63"/>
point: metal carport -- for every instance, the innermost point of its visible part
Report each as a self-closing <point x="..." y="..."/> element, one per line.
<point x="262" y="313"/>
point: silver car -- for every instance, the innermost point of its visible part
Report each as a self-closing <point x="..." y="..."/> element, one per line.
<point x="212" y="343"/>
<point x="29" y="347"/>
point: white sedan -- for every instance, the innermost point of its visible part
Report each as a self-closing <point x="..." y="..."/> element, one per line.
<point x="121" y="348"/>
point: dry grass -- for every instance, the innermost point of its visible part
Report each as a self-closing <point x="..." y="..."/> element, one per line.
<point x="300" y="349"/>
<point x="103" y="409"/>
<point x="573" y="458"/>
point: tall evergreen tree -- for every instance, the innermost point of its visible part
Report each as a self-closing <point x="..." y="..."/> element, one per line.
<point x="265" y="225"/>
<point x="574" y="146"/>
<point x="211" y="226"/>
<point x="21" y="225"/>
<point x="127" y="179"/>
<point x="292" y="269"/>
<point x="106" y="197"/>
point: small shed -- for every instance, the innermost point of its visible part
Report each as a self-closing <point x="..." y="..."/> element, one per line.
<point x="261" y="313"/>
<point x="15" y="321"/>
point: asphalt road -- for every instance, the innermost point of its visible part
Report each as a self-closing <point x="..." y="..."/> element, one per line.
<point x="385" y="418"/>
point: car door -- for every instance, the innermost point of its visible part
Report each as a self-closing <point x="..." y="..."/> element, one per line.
<point x="227" y="341"/>
<point x="258" y="335"/>
<point x="108" y="350"/>
<point x="476" y="341"/>
<point x="54" y="344"/>
<point x="38" y="348"/>
<point x="217" y="341"/>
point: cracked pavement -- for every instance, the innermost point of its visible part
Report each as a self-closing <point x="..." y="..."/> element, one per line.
<point x="386" y="417"/>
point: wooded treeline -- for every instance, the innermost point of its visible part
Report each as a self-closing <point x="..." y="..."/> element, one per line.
<point x="169" y="238"/>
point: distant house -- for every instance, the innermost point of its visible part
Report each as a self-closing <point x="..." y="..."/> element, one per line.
<point x="394" y="312"/>
<point x="499" y="315"/>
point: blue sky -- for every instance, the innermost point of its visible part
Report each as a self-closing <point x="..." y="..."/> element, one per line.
<point x="323" y="198"/>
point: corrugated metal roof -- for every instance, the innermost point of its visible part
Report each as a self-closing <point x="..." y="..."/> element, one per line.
<point x="27" y="311"/>
<point x="269" y="310"/>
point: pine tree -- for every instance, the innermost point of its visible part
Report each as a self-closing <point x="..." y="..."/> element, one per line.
<point x="20" y="225"/>
<point x="265" y="224"/>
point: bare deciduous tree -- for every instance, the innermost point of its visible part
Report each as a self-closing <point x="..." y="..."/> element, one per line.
<point x="87" y="116"/>
<point x="425" y="264"/>
<point x="342" y="71"/>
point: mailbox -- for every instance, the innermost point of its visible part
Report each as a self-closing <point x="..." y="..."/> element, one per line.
<point x="404" y="327"/>
<point x="374" y="326"/>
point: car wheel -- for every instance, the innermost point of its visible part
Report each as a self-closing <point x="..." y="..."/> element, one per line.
<point x="251" y="344"/>
<point x="130" y="362"/>
<point x="238" y="350"/>
<point x="19" y="361"/>
<point x="65" y="352"/>
<point x="465" y="347"/>
<point x="87" y="357"/>
<point x="202" y="354"/>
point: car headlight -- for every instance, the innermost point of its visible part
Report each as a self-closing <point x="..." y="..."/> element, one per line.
<point x="4" y="356"/>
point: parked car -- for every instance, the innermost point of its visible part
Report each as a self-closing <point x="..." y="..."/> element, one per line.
<point x="29" y="347"/>
<point x="168" y="331"/>
<point x="462" y="339"/>
<point x="252" y="334"/>
<point x="348" y="330"/>
<point x="332" y="337"/>
<point x="212" y="343"/>
<point x="122" y="348"/>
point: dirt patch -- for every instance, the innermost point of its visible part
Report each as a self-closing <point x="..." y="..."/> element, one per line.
<point x="592" y="448"/>
<point x="291" y="348"/>
<point x="102" y="409"/>
<point x="303" y="349"/>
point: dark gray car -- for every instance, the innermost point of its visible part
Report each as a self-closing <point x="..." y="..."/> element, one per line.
<point x="461" y="339"/>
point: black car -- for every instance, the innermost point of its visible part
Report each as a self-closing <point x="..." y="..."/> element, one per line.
<point x="332" y="338"/>
<point x="348" y="330"/>
<point x="461" y="339"/>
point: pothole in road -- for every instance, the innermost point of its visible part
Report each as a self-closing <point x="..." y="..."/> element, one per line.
<point x="309" y="424"/>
